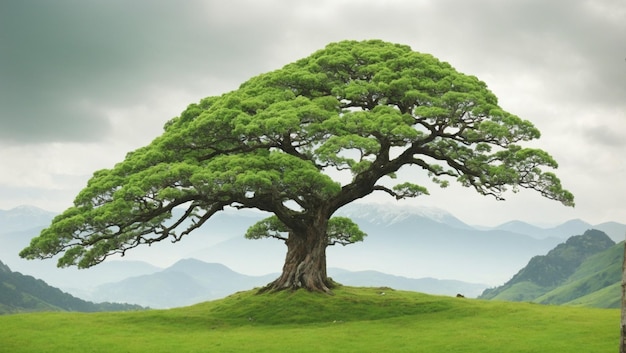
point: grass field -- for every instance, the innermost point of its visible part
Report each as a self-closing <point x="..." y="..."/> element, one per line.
<point x="353" y="320"/>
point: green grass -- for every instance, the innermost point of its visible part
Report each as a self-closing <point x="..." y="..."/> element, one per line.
<point x="574" y="291"/>
<point x="608" y="297"/>
<point x="521" y="291"/>
<point x="353" y="320"/>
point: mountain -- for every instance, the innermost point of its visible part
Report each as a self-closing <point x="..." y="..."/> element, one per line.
<point x="584" y="270"/>
<point x="407" y="241"/>
<point x="20" y="293"/>
<point x="525" y="228"/>
<point x="389" y="214"/>
<point x="404" y="241"/>
<point x="617" y="231"/>
<point x="137" y="263"/>
<point x="187" y="282"/>
<point x="433" y="244"/>
<point x="422" y="285"/>
<point x="72" y="280"/>
<point x="23" y="218"/>
<point x="614" y="230"/>
<point x="597" y="282"/>
<point x="191" y="281"/>
<point x="573" y="226"/>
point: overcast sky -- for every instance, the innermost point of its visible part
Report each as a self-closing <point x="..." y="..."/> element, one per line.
<point x="84" y="82"/>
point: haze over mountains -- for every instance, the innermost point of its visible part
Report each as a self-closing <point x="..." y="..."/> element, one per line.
<point x="404" y="246"/>
<point x="22" y="293"/>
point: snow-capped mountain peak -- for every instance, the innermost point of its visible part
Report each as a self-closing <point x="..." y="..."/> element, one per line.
<point x="394" y="213"/>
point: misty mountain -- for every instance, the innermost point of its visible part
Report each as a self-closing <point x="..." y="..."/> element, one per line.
<point x="422" y="285"/>
<point x="412" y="242"/>
<point x="403" y="241"/>
<point x="187" y="282"/>
<point x="72" y="279"/>
<point x="138" y="262"/>
<point x="614" y="230"/>
<point x="524" y="228"/>
<point x="389" y="214"/>
<point x="22" y="293"/>
<point x="23" y="218"/>
<point x="436" y="245"/>
<point x="584" y="270"/>
<point x="191" y="281"/>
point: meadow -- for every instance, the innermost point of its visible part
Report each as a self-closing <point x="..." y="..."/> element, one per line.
<point x="353" y="320"/>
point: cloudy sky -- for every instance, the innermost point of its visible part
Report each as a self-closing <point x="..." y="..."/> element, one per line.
<point x="84" y="82"/>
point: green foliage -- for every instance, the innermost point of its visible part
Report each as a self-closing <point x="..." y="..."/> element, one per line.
<point x="340" y="230"/>
<point x="353" y="320"/>
<point x="368" y="107"/>
<point x="270" y="227"/>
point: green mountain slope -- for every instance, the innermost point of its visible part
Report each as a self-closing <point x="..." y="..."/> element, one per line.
<point x="20" y="293"/>
<point x="585" y="270"/>
<point x="595" y="282"/>
<point x="607" y="297"/>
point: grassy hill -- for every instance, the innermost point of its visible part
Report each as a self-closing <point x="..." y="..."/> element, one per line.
<point x="353" y="320"/>
<point x="20" y="293"/>
<point x="596" y="282"/>
<point x="585" y="270"/>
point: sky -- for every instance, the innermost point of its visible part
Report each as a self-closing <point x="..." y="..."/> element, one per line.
<point x="84" y="82"/>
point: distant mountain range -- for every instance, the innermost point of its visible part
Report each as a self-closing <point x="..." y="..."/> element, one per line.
<point x="404" y="244"/>
<point x="190" y="281"/>
<point x="187" y="282"/>
<point x="614" y="230"/>
<point x="20" y="293"/>
<point x="584" y="270"/>
<point x="23" y="218"/>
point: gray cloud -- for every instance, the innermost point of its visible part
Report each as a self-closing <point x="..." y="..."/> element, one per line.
<point x="74" y="71"/>
<point x="60" y="59"/>
<point x="606" y="136"/>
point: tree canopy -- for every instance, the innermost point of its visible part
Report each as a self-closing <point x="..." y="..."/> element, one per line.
<point x="276" y="144"/>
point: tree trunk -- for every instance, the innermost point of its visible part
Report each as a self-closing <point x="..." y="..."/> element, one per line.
<point x="305" y="262"/>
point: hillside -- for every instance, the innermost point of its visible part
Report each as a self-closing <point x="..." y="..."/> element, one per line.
<point x="585" y="270"/>
<point x="20" y="293"/>
<point x="352" y="320"/>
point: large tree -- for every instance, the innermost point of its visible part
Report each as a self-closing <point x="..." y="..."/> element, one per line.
<point x="366" y="108"/>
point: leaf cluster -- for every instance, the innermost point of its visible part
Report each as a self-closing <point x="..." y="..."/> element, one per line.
<point x="340" y="230"/>
<point x="369" y="108"/>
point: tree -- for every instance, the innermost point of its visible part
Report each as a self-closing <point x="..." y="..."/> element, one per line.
<point x="368" y="108"/>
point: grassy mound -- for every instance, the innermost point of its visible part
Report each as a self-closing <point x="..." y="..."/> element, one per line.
<point x="354" y="319"/>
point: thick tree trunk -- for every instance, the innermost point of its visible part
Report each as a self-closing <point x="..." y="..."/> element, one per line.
<point x="305" y="262"/>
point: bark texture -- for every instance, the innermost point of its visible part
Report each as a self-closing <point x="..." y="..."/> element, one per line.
<point x="305" y="262"/>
